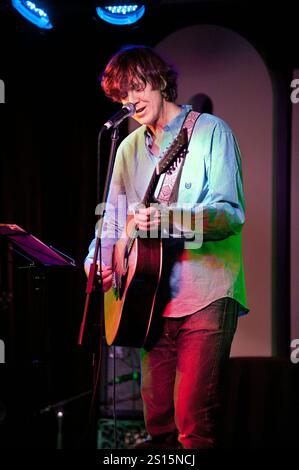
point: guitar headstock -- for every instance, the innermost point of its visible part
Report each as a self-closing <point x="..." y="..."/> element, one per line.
<point x="174" y="153"/>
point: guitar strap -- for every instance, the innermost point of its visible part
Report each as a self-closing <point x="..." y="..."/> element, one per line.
<point x="169" y="190"/>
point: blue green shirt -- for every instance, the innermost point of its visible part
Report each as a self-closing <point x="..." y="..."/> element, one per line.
<point x="194" y="273"/>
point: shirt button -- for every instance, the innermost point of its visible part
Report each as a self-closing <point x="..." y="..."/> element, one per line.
<point x="188" y="185"/>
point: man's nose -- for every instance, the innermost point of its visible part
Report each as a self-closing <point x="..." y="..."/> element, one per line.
<point x="133" y="97"/>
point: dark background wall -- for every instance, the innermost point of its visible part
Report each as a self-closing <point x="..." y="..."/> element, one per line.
<point x="48" y="125"/>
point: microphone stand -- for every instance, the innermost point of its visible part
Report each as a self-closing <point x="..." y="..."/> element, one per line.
<point x="95" y="274"/>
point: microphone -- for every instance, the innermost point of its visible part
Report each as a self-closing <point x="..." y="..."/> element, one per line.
<point x="127" y="110"/>
<point x="135" y="375"/>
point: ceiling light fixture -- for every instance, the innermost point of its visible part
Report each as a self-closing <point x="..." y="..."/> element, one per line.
<point x="121" y="12"/>
<point x="33" y="13"/>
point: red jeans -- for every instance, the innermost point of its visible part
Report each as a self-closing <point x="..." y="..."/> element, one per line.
<point x="182" y="376"/>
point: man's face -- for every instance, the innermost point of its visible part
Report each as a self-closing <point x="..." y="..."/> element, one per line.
<point x="148" y="102"/>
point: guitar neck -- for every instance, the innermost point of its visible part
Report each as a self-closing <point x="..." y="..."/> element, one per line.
<point x="176" y="151"/>
<point x="151" y="189"/>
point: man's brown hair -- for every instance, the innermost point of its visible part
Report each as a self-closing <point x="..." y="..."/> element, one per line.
<point x="132" y="68"/>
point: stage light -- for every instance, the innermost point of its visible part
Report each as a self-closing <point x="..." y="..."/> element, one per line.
<point x="33" y="13"/>
<point x="121" y="12"/>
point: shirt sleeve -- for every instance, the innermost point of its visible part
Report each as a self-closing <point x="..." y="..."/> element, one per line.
<point x="223" y="207"/>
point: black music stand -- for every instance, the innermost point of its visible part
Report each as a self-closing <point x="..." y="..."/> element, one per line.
<point x="35" y="254"/>
<point x="32" y="249"/>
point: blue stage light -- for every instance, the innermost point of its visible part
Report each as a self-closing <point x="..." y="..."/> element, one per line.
<point x="33" y="13"/>
<point x="121" y="13"/>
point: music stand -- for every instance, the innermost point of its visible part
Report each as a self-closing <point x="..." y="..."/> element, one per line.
<point x="32" y="249"/>
<point x="35" y="254"/>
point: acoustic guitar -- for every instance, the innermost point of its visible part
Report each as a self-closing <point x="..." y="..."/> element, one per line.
<point x="137" y="267"/>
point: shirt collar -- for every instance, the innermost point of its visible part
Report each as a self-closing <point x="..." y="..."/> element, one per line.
<point x="173" y="126"/>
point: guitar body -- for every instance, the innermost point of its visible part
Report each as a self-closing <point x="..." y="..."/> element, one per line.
<point x="129" y="304"/>
<point x="137" y="266"/>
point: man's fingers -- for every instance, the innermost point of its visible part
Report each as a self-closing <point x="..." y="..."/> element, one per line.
<point x="141" y="218"/>
<point x="147" y="216"/>
<point x="107" y="278"/>
<point x="106" y="272"/>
